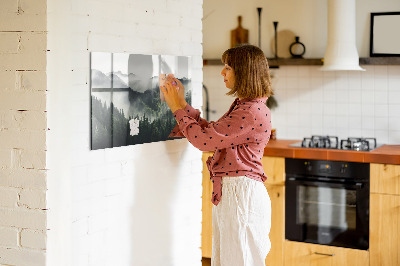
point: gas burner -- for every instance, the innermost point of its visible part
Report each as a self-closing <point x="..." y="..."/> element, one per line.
<point x="358" y="144"/>
<point x="327" y="142"/>
<point x="332" y="142"/>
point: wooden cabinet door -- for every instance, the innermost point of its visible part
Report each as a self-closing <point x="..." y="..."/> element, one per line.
<point x="384" y="237"/>
<point x="304" y="254"/>
<point x="274" y="168"/>
<point x="277" y="233"/>
<point x="385" y="178"/>
<point x="206" y="226"/>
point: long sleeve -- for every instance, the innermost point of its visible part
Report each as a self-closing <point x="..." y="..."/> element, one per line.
<point x="231" y="130"/>
<point x="193" y="113"/>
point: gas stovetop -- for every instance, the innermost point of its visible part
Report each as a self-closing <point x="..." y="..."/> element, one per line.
<point x="332" y="142"/>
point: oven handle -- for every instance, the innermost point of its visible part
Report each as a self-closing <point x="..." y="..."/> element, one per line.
<point x="357" y="185"/>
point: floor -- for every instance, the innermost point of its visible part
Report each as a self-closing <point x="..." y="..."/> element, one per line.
<point x="206" y="261"/>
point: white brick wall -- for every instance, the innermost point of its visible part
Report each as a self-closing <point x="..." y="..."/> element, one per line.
<point x="23" y="128"/>
<point x="135" y="205"/>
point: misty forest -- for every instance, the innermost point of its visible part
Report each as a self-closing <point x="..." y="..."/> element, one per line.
<point x="154" y="121"/>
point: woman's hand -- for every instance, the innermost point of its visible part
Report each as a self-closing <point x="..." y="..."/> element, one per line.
<point x="181" y="89"/>
<point x="172" y="96"/>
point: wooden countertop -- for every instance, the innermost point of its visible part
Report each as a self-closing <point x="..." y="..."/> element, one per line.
<point x="389" y="154"/>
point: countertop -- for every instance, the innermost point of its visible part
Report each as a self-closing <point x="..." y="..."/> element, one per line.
<point x="388" y="154"/>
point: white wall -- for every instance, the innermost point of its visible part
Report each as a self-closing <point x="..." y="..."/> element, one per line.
<point x="311" y="102"/>
<point x="23" y="133"/>
<point x="306" y="19"/>
<point x="135" y="205"/>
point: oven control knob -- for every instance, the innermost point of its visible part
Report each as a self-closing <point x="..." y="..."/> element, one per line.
<point x="343" y="168"/>
<point x="308" y="166"/>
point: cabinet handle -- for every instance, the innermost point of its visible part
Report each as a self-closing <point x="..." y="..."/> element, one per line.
<point x="324" y="254"/>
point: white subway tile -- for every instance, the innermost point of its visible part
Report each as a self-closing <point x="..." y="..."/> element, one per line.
<point x="394" y="137"/>
<point x="355" y="96"/>
<point x="329" y="123"/>
<point x="368" y="122"/>
<point x="342" y="122"/>
<point x="354" y="80"/>
<point x="342" y="109"/>
<point x="394" y="83"/>
<point x="367" y="96"/>
<point x="328" y="74"/>
<point x="355" y="132"/>
<point x="291" y="71"/>
<point x="342" y="96"/>
<point x="329" y="109"/>
<point x="380" y="84"/>
<point x="355" y="122"/>
<point x="381" y="97"/>
<point x="394" y="123"/>
<point x="367" y="110"/>
<point x="380" y="71"/>
<point x="304" y="73"/>
<point x="329" y="93"/>
<point x="381" y="110"/>
<point x="367" y="133"/>
<point x="394" y="110"/>
<point x="382" y="136"/>
<point x="382" y="123"/>
<point x="394" y="97"/>
<point x="342" y="80"/>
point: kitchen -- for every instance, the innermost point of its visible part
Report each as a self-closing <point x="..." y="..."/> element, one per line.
<point x="313" y="104"/>
<point x="141" y="204"/>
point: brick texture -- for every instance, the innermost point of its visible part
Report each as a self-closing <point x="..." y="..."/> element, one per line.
<point x="23" y="125"/>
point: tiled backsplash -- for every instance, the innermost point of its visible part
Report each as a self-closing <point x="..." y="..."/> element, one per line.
<point x="314" y="102"/>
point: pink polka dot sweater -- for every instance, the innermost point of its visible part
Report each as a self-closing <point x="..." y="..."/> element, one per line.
<point x="238" y="139"/>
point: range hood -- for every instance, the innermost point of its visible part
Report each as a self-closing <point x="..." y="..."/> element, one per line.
<point x="341" y="51"/>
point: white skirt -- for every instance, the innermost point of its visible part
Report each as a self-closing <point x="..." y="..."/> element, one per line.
<point x="241" y="223"/>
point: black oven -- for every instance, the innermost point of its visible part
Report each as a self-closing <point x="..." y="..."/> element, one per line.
<point x="327" y="202"/>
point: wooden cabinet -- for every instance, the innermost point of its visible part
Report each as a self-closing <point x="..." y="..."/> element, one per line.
<point x="385" y="178"/>
<point x="206" y="226"/>
<point x="274" y="168"/>
<point x="277" y="233"/>
<point x="385" y="230"/>
<point x="385" y="215"/>
<point x="304" y="254"/>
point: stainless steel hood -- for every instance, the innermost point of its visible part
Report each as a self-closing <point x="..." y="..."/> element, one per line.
<point x="341" y="51"/>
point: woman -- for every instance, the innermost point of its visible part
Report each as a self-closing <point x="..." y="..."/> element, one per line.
<point x="242" y="208"/>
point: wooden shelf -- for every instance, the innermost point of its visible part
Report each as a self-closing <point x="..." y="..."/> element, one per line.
<point x="274" y="63"/>
<point x="380" y="61"/>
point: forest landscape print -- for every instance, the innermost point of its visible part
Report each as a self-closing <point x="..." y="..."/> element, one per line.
<point x="127" y="106"/>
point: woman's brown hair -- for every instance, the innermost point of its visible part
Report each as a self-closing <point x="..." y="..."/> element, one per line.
<point x="250" y="66"/>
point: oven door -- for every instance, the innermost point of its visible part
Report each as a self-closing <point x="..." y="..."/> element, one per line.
<point x="327" y="213"/>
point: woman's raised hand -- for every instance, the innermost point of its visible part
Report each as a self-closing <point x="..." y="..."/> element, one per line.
<point x="181" y="89"/>
<point x="172" y="95"/>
